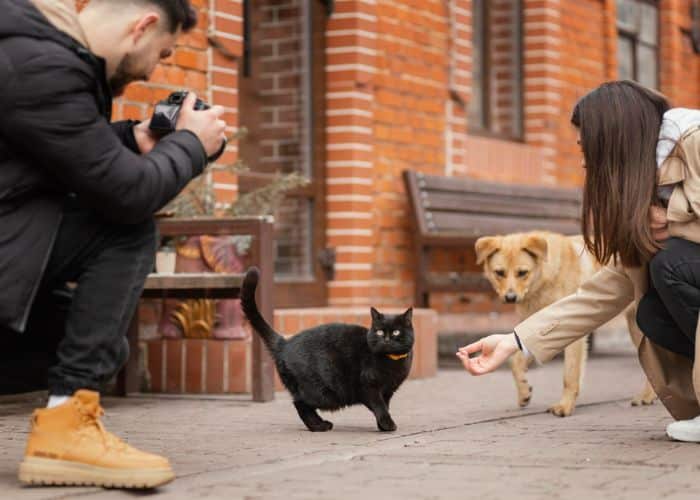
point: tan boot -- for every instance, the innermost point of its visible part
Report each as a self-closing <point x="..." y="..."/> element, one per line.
<point x="68" y="445"/>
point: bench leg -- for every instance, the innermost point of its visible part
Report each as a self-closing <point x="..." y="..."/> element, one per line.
<point x="263" y="372"/>
<point x="128" y="378"/>
<point x="263" y="366"/>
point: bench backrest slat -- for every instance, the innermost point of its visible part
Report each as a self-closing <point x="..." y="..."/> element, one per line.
<point x="476" y="208"/>
<point x="462" y="185"/>
<point x="440" y="201"/>
<point x="475" y="225"/>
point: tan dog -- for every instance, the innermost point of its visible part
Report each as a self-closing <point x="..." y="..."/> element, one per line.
<point x="533" y="270"/>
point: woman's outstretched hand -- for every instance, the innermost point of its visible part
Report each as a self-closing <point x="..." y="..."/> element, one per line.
<point x="494" y="351"/>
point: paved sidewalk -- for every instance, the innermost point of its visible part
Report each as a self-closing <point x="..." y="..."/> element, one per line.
<point x="459" y="437"/>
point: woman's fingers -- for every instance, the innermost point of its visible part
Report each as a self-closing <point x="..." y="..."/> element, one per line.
<point x="472" y="365"/>
<point x="472" y="348"/>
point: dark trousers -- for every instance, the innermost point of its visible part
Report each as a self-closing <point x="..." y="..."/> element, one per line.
<point x="77" y="339"/>
<point x="668" y="313"/>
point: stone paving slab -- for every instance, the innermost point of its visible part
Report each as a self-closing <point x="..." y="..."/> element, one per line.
<point x="458" y="437"/>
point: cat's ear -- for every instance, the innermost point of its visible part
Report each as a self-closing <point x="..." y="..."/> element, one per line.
<point x="408" y="315"/>
<point x="376" y="315"/>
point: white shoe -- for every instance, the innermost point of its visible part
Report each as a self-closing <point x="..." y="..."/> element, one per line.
<point x="685" y="430"/>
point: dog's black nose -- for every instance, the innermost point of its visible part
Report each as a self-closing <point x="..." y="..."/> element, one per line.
<point x="511" y="298"/>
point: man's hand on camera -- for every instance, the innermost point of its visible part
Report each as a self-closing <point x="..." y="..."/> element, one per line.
<point x="205" y="124"/>
<point x="145" y="138"/>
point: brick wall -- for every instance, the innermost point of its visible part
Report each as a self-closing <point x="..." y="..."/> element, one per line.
<point x="409" y="129"/>
<point x="680" y="67"/>
<point x="398" y="83"/>
<point x="351" y="67"/>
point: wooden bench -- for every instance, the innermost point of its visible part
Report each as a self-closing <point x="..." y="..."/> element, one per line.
<point x="215" y="286"/>
<point x="455" y="212"/>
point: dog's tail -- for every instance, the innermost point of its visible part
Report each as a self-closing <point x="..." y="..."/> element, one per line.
<point x="273" y="340"/>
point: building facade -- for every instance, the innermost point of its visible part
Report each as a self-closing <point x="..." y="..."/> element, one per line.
<point x="352" y="92"/>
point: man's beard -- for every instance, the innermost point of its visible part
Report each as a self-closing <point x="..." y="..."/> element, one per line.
<point x="125" y="74"/>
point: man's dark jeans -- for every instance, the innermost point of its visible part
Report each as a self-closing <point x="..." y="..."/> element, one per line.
<point x="668" y="312"/>
<point x="77" y="340"/>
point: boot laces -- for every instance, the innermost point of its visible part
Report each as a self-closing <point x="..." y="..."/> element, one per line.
<point x="91" y="416"/>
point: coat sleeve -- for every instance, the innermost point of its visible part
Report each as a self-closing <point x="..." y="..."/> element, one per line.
<point x="691" y="162"/>
<point x="597" y="301"/>
<point x="49" y="115"/>
<point x="125" y="131"/>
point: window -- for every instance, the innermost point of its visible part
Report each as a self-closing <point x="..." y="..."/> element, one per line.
<point x="496" y="104"/>
<point x="638" y="41"/>
<point x="281" y="106"/>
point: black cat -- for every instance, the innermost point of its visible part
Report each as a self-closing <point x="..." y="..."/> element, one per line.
<point x="336" y="365"/>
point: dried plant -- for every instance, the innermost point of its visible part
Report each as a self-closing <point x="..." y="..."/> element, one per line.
<point x="198" y="197"/>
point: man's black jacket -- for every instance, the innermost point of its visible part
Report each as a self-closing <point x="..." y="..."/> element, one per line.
<point x="56" y="140"/>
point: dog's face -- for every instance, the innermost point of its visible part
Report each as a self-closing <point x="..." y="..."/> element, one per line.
<point x="512" y="263"/>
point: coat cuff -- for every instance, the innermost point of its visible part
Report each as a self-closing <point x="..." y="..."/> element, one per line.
<point x="534" y="348"/>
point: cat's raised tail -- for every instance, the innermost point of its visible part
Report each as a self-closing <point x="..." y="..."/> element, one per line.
<point x="273" y="340"/>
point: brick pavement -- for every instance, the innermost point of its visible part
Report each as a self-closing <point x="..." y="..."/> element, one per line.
<point x="458" y="437"/>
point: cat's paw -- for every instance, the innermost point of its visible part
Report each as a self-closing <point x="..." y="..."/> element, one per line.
<point x="386" y="424"/>
<point x="323" y="426"/>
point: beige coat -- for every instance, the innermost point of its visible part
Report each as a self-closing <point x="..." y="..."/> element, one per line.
<point x="613" y="288"/>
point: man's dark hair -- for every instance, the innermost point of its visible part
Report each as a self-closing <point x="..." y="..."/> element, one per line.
<point x="180" y="13"/>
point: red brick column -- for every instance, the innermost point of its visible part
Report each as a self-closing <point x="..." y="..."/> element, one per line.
<point x="542" y="75"/>
<point x="351" y="68"/>
<point x="460" y="83"/>
<point x="226" y="18"/>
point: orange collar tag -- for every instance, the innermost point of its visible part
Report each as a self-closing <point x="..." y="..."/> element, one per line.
<point x="397" y="357"/>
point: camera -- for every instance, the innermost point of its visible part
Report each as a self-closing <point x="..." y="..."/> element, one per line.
<point x="166" y="113"/>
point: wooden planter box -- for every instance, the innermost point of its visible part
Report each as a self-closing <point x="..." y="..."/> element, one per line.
<point x="224" y="366"/>
<point x="210" y="364"/>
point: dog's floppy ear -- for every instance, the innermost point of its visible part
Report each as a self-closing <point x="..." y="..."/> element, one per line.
<point x="485" y="247"/>
<point x="535" y="245"/>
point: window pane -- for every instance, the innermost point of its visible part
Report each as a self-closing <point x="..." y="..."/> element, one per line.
<point x="275" y="109"/>
<point x="628" y="15"/>
<point x="647" y="66"/>
<point x="625" y="58"/>
<point x="293" y="236"/>
<point x="496" y="103"/>
<point x="504" y="80"/>
<point x="649" y="24"/>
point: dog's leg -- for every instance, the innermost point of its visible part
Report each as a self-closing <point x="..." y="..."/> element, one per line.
<point x="574" y="363"/>
<point x="646" y="397"/>
<point x="518" y="365"/>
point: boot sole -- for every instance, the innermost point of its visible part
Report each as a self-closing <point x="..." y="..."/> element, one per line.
<point x="47" y="472"/>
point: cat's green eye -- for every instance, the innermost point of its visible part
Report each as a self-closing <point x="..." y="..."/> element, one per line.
<point x="396" y="333"/>
<point x="380" y="333"/>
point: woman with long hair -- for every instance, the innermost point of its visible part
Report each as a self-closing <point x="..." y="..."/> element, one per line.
<point x="641" y="209"/>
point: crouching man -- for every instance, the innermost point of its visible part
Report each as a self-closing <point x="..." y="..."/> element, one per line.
<point x="77" y="198"/>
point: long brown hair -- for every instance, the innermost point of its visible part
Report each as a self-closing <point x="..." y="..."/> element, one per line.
<point x="619" y="123"/>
